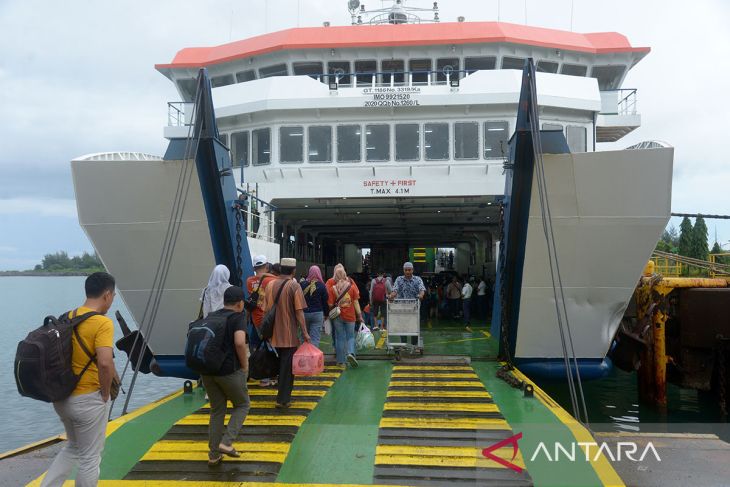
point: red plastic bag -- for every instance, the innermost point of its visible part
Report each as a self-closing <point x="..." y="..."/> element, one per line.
<point x="308" y="360"/>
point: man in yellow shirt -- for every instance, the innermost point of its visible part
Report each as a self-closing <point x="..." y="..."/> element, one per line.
<point x="84" y="414"/>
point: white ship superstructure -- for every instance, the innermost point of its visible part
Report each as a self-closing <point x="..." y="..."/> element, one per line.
<point x="394" y="136"/>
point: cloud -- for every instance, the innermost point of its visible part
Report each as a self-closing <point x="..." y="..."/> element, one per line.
<point x="39" y="207"/>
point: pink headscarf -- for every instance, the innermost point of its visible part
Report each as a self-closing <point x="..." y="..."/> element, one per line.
<point x="315" y="274"/>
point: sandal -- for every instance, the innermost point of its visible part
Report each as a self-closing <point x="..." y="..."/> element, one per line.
<point x="214" y="461"/>
<point x="228" y="451"/>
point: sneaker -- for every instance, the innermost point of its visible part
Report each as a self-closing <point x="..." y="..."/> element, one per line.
<point x="352" y="360"/>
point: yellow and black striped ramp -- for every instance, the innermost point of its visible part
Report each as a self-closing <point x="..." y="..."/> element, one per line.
<point x="437" y="420"/>
<point x="264" y="440"/>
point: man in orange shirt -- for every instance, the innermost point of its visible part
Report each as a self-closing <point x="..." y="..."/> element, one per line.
<point x="84" y="414"/>
<point x="289" y="317"/>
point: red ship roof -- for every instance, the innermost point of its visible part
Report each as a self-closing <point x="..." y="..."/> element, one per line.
<point x="402" y="35"/>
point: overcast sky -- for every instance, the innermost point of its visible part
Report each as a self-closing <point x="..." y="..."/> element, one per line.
<point x="78" y="77"/>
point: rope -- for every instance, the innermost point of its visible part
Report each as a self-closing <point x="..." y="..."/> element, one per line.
<point x="163" y="264"/>
<point x="558" y="292"/>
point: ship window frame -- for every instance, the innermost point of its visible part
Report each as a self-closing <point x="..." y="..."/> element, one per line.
<point x="426" y="145"/>
<point x="282" y="128"/>
<point x="398" y="75"/>
<point x="540" y="66"/>
<point x="569" y="138"/>
<point x="361" y="75"/>
<point x="478" y="140"/>
<point x="331" y="146"/>
<point x="254" y="133"/>
<point x="418" y="141"/>
<point x="569" y="66"/>
<point x="360" y="141"/>
<point x="234" y="148"/>
<point x="317" y="73"/>
<point x="440" y="75"/>
<point x="486" y="139"/>
<point x="274" y="74"/>
<point x="515" y="62"/>
<point x="245" y="76"/>
<point x="492" y="59"/>
<point x="346" y="76"/>
<point x="387" y="145"/>
<point x="416" y="74"/>
<point x="222" y="80"/>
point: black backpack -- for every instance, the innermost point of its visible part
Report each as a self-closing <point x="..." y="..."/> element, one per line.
<point x="43" y="367"/>
<point x="205" y="349"/>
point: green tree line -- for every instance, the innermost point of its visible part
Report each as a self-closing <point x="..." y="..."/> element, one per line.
<point x="61" y="262"/>
<point x="690" y="240"/>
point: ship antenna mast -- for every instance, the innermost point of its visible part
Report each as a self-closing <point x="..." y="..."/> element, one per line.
<point x="398" y="13"/>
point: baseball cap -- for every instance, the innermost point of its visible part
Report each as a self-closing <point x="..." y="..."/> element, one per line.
<point x="260" y="260"/>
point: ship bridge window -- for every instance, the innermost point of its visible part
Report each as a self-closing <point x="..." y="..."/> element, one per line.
<point x="472" y="64"/>
<point x="552" y="126"/>
<point x="275" y="70"/>
<point x="513" y="62"/>
<point x="225" y="80"/>
<point x="261" y="146"/>
<point x="394" y="66"/>
<point x="377" y="143"/>
<point x="608" y="76"/>
<point x="495" y="140"/>
<point x="574" y="69"/>
<point x="576" y="136"/>
<point x="547" y="67"/>
<point x="310" y="68"/>
<point x="187" y="88"/>
<point x="407" y="142"/>
<point x="291" y="144"/>
<point x="349" y="143"/>
<point x="466" y="140"/>
<point x="319" y="143"/>
<point x="446" y="66"/>
<point x="339" y="71"/>
<point x="243" y="76"/>
<point x="365" y="71"/>
<point x="436" y="141"/>
<point x="239" y="148"/>
<point x="420" y="70"/>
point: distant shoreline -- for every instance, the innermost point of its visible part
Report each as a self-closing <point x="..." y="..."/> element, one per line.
<point x="43" y="273"/>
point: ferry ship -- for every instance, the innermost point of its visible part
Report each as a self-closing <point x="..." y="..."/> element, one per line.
<point x="388" y="134"/>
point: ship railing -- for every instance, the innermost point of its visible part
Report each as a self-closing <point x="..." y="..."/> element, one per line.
<point x="177" y="115"/>
<point x="619" y="102"/>
<point x="381" y="79"/>
<point x="257" y="216"/>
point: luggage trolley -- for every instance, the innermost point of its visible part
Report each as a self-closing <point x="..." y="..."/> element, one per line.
<point x="404" y="320"/>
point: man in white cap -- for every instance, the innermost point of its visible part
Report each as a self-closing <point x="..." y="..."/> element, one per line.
<point x="408" y="286"/>
<point x="256" y="286"/>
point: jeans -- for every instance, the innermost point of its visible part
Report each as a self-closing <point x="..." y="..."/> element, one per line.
<point x="254" y="340"/>
<point x="84" y="417"/>
<point x="382" y="308"/>
<point x="221" y="389"/>
<point x="314" y="321"/>
<point x="345" y="343"/>
<point x="466" y="306"/>
<point x="286" y="377"/>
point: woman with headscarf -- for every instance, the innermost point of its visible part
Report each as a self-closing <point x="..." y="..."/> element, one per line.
<point x="315" y="293"/>
<point x="212" y="296"/>
<point x="344" y="294"/>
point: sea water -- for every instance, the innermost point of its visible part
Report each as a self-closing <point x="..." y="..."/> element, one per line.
<point x="24" y="302"/>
